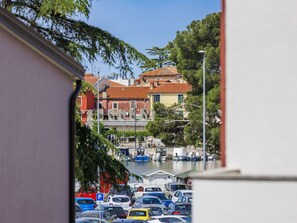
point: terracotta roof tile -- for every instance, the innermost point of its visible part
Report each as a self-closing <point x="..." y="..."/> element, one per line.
<point x="127" y="92"/>
<point x="115" y="84"/>
<point x="171" y="88"/>
<point x="165" y="71"/>
<point x="90" y="78"/>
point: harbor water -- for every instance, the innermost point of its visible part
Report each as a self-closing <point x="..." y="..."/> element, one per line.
<point x="174" y="167"/>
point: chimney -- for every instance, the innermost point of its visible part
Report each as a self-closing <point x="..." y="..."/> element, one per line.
<point x="152" y="85"/>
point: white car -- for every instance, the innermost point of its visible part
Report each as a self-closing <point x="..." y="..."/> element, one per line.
<point x="177" y="194"/>
<point x="121" y="200"/>
<point x="171" y="219"/>
<point x="146" y="188"/>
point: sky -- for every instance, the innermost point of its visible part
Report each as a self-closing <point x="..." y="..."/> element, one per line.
<point x="146" y="23"/>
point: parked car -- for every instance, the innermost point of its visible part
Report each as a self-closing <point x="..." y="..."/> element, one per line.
<point x="85" y="203"/>
<point x="149" y="201"/>
<point x="146" y="188"/>
<point x="78" y="211"/>
<point x="181" y="209"/>
<point x="139" y="214"/>
<point x="90" y="220"/>
<point x="184" y="199"/>
<point x="173" y="218"/>
<point x="122" y="189"/>
<point x="178" y="193"/>
<point x="129" y="221"/>
<point x="170" y="188"/>
<point x="165" y="200"/>
<point x="121" y="200"/>
<point x="109" y="211"/>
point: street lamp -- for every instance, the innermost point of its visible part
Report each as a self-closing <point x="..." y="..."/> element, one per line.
<point x="98" y="106"/>
<point x="204" y="152"/>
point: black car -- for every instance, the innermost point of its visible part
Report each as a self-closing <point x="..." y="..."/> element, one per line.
<point x="182" y="209"/>
<point x="112" y="211"/>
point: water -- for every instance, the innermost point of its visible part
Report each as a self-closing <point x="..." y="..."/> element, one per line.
<point x="174" y="167"/>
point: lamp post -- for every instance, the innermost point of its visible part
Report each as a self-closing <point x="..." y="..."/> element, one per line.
<point x="98" y="107"/>
<point x="203" y="122"/>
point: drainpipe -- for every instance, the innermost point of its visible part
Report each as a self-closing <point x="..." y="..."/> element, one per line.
<point x="72" y="151"/>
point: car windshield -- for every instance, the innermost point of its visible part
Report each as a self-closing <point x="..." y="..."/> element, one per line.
<point x="137" y="213"/>
<point x="178" y="187"/>
<point x="151" y="189"/>
<point x="188" y="194"/>
<point x="120" y="199"/>
<point x="115" y="210"/>
<point x="161" y="196"/>
<point x="186" y="219"/>
<point x="151" y="200"/>
<point x="182" y="207"/>
<point x="85" y="201"/>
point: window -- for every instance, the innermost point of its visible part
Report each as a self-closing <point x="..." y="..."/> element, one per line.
<point x="156" y="98"/>
<point x="114" y="105"/>
<point x="133" y="104"/>
<point x="79" y="101"/>
<point x="180" y="98"/>
<point x="95" y="104"/>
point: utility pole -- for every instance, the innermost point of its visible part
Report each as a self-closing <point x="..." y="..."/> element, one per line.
<point x="98" y="106"/>
<point x="204" y="151"/>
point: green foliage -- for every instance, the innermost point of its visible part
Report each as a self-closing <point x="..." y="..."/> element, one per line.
<point x="168" y="125"/>
<point x="184" y="51"/>
<point x="55" y="20"/>
<point x="161" y="59"/>
<point x="92" y="152"/>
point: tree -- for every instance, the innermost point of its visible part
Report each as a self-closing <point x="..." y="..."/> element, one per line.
<point x="168" y="125"/>
<point x="92" y="153"/>
<point x="184" y="51"/>
<point x="55" y="20"/>
<point x="161" y="59"/>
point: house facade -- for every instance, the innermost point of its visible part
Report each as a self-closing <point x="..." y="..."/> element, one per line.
<point x="168" y="93"/>
<point x="258" y="181"/>
<point x="36" y="135"/>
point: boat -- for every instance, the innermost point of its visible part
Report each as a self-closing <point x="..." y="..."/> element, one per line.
<point x="179" y="154"/>
<point x="161" y="154"/>
<point x="141" y="156"/>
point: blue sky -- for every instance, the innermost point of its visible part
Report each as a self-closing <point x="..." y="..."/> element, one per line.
<point x="146" y="23"/>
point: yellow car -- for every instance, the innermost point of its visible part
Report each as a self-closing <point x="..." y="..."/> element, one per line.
<point x="139" y="214"/>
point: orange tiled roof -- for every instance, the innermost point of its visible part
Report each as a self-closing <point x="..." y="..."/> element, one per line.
<point x="171" y="88"/>
<point x="91" y="79"/>
<point x="115" y="84"/>
<point x="127" y="92"/>
<point x="164" y="71"/>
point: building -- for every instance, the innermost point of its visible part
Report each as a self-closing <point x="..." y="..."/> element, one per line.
<point x="125" y="108"/>
<point x="168" y="93"/>
<point x="258" y="181"/>
<point x="37" y="126"/>
<point x="164" y="74"/>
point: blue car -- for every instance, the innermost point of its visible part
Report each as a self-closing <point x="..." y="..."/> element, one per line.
<point x="165" y="200"/>
<point x="85" y="203"/>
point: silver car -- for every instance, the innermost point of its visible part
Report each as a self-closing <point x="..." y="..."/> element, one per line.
<point x="152" y="202"/>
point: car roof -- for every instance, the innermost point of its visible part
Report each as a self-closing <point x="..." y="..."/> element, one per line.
<point x="91" y="218"/>
<point x="109" y="205"/>
<point x="148" y="196"/>
<point x="139" y="209"/>
<point x="166" y="216"/>
<point x="118" y="195"/>
<point x="83" y="198"/>
<point x="185" y="191"/>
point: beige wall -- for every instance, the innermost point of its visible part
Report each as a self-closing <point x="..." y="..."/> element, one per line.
<point x="166" y="98"/>
<point x="34" y="98"/>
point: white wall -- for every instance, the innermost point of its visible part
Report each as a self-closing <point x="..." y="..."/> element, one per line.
<point x="261" y="80"/>
<point x="34" y="134"/>
<point x="244" y="202"/>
